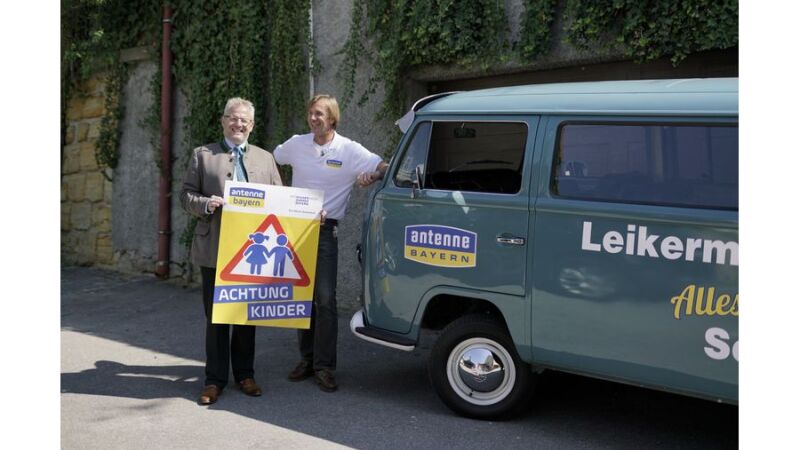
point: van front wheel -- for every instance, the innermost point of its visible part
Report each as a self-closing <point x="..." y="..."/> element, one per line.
<point x="476" y="371"/>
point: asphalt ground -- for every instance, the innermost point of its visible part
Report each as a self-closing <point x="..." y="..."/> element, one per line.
<point x="132" y="368"/>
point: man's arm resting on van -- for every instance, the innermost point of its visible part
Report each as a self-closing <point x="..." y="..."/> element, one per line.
<point x="367" y="178"/>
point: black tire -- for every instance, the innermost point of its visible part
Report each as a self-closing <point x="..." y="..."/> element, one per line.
<point x="508" y="380"/>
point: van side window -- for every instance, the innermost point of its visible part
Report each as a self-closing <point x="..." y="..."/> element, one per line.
<point x="415" y="155"/>
<point x="671" y="165"/>
<point x="476" y="156"/>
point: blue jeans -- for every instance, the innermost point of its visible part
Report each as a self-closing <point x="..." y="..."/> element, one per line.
<point x="318" y="344"/>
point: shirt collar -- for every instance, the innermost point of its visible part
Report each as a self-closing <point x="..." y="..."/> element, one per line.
<point x="327" y="144"/>
<point x="231" y="145"/>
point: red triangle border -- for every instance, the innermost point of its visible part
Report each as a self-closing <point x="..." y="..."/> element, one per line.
<point x="228" y="276"/>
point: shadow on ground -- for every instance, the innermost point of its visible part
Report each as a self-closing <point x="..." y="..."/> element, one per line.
<point x="385" y="398"/>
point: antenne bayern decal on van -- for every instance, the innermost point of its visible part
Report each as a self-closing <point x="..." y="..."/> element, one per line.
<point x="440" y="245"/>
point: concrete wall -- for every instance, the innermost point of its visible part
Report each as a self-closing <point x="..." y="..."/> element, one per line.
<point x="331" y="27"/>
<point x="136" y="181"/>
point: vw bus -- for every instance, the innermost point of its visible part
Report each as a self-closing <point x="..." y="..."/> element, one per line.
<point x="590" y="228"/>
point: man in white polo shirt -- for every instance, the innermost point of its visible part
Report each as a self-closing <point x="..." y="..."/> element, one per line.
<point x="332" y="163"/>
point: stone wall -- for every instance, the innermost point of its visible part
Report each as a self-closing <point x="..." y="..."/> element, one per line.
<point x="85" y="191"/>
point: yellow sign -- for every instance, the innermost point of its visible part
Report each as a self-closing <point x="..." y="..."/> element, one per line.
<point x="267" y="255"/>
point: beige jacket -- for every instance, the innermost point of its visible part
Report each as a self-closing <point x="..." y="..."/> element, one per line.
<point x="210" y="166"/>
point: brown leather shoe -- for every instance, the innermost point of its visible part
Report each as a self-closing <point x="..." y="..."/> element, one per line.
<point x="326" y="380"/>
<point x="301" y="372"/>
<point x="249" y="387"/>
<point x="209" y="395"/>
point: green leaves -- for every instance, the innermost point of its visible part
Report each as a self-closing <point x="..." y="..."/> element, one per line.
<point x="648" y="30"/>
<point x="287" y="66"/>
<point x="535" y="38"/>
<point x="93" y="33"/>
<point x="409" y="33"/>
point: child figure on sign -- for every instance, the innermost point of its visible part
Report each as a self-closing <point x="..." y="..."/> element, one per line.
<point x="280" y="252"/>
<point x="257" y="253"/>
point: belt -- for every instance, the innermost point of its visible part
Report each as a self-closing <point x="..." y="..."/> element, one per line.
<point x="331" y="223"/>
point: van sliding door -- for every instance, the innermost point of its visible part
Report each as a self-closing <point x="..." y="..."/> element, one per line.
<point x="635" y="270"/>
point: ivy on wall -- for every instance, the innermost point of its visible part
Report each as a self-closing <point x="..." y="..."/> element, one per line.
<point x="92" y="34"/>
<point x="408" y="33"/>
<point x="396" y="35"/>
<point x="651" y="29"/>
<point x="537" y="20"/>
<point x="288" y="67"/>
<point x="260" y="50"/>
<point x="222" y="48"/>
<point x="245" y="48"/>
<point x="219" y="50"/>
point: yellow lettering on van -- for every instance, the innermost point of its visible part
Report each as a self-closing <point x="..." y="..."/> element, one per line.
<point x="704" y="304"/>
<point x="702" y="301"/>
<point x="687" y="296"/>
<point x="722" y="304"/>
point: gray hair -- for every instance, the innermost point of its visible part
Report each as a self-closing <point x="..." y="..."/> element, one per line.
<point x="238" y="101"/>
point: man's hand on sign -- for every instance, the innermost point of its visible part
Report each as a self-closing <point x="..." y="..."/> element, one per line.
<point x="322" y="215"/>
<point x="214" y="202"/>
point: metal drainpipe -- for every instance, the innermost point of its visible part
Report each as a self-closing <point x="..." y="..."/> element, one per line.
<point x="164" y="210"/>
<point x="311" y="50"/>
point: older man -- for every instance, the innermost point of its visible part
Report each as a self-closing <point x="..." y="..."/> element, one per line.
<point x="332" y="163"/>
<point x="233" y="158"/>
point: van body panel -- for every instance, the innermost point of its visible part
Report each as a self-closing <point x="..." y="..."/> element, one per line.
<point x="614" y="314"/>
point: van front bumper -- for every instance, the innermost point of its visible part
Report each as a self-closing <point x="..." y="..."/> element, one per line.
<point x="375" y="335"/>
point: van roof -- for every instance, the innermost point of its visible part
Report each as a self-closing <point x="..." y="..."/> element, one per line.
<point x="699" y="96"/>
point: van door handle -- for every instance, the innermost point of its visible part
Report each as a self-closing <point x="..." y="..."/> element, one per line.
<point x="513" y="240"/>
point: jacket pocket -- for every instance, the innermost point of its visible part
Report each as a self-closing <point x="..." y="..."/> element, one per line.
<point x="202" y="228"/>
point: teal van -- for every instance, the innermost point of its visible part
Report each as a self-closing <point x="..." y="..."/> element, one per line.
<point x="590" y="228"/>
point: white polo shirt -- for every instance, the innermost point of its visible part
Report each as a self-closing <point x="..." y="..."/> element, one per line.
<point x="331" y="168"/>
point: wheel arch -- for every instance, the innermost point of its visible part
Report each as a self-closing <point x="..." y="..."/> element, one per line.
<point x="442" y="305"/>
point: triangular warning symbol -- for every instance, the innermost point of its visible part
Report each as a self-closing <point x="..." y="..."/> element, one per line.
<point x="229" y="273"/>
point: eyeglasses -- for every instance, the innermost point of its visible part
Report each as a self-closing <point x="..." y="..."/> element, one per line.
<point x="237" y="119"/>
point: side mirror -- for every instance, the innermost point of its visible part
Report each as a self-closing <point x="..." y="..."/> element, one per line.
<point x="417" y="183"/>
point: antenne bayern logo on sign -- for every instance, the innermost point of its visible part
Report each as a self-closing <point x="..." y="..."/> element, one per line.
<point x="247" y="197"/>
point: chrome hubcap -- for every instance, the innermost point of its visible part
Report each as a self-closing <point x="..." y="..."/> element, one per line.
<point x="481" y="371"/>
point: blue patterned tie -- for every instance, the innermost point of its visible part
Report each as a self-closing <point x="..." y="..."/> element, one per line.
<point x="238" y="164"/>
